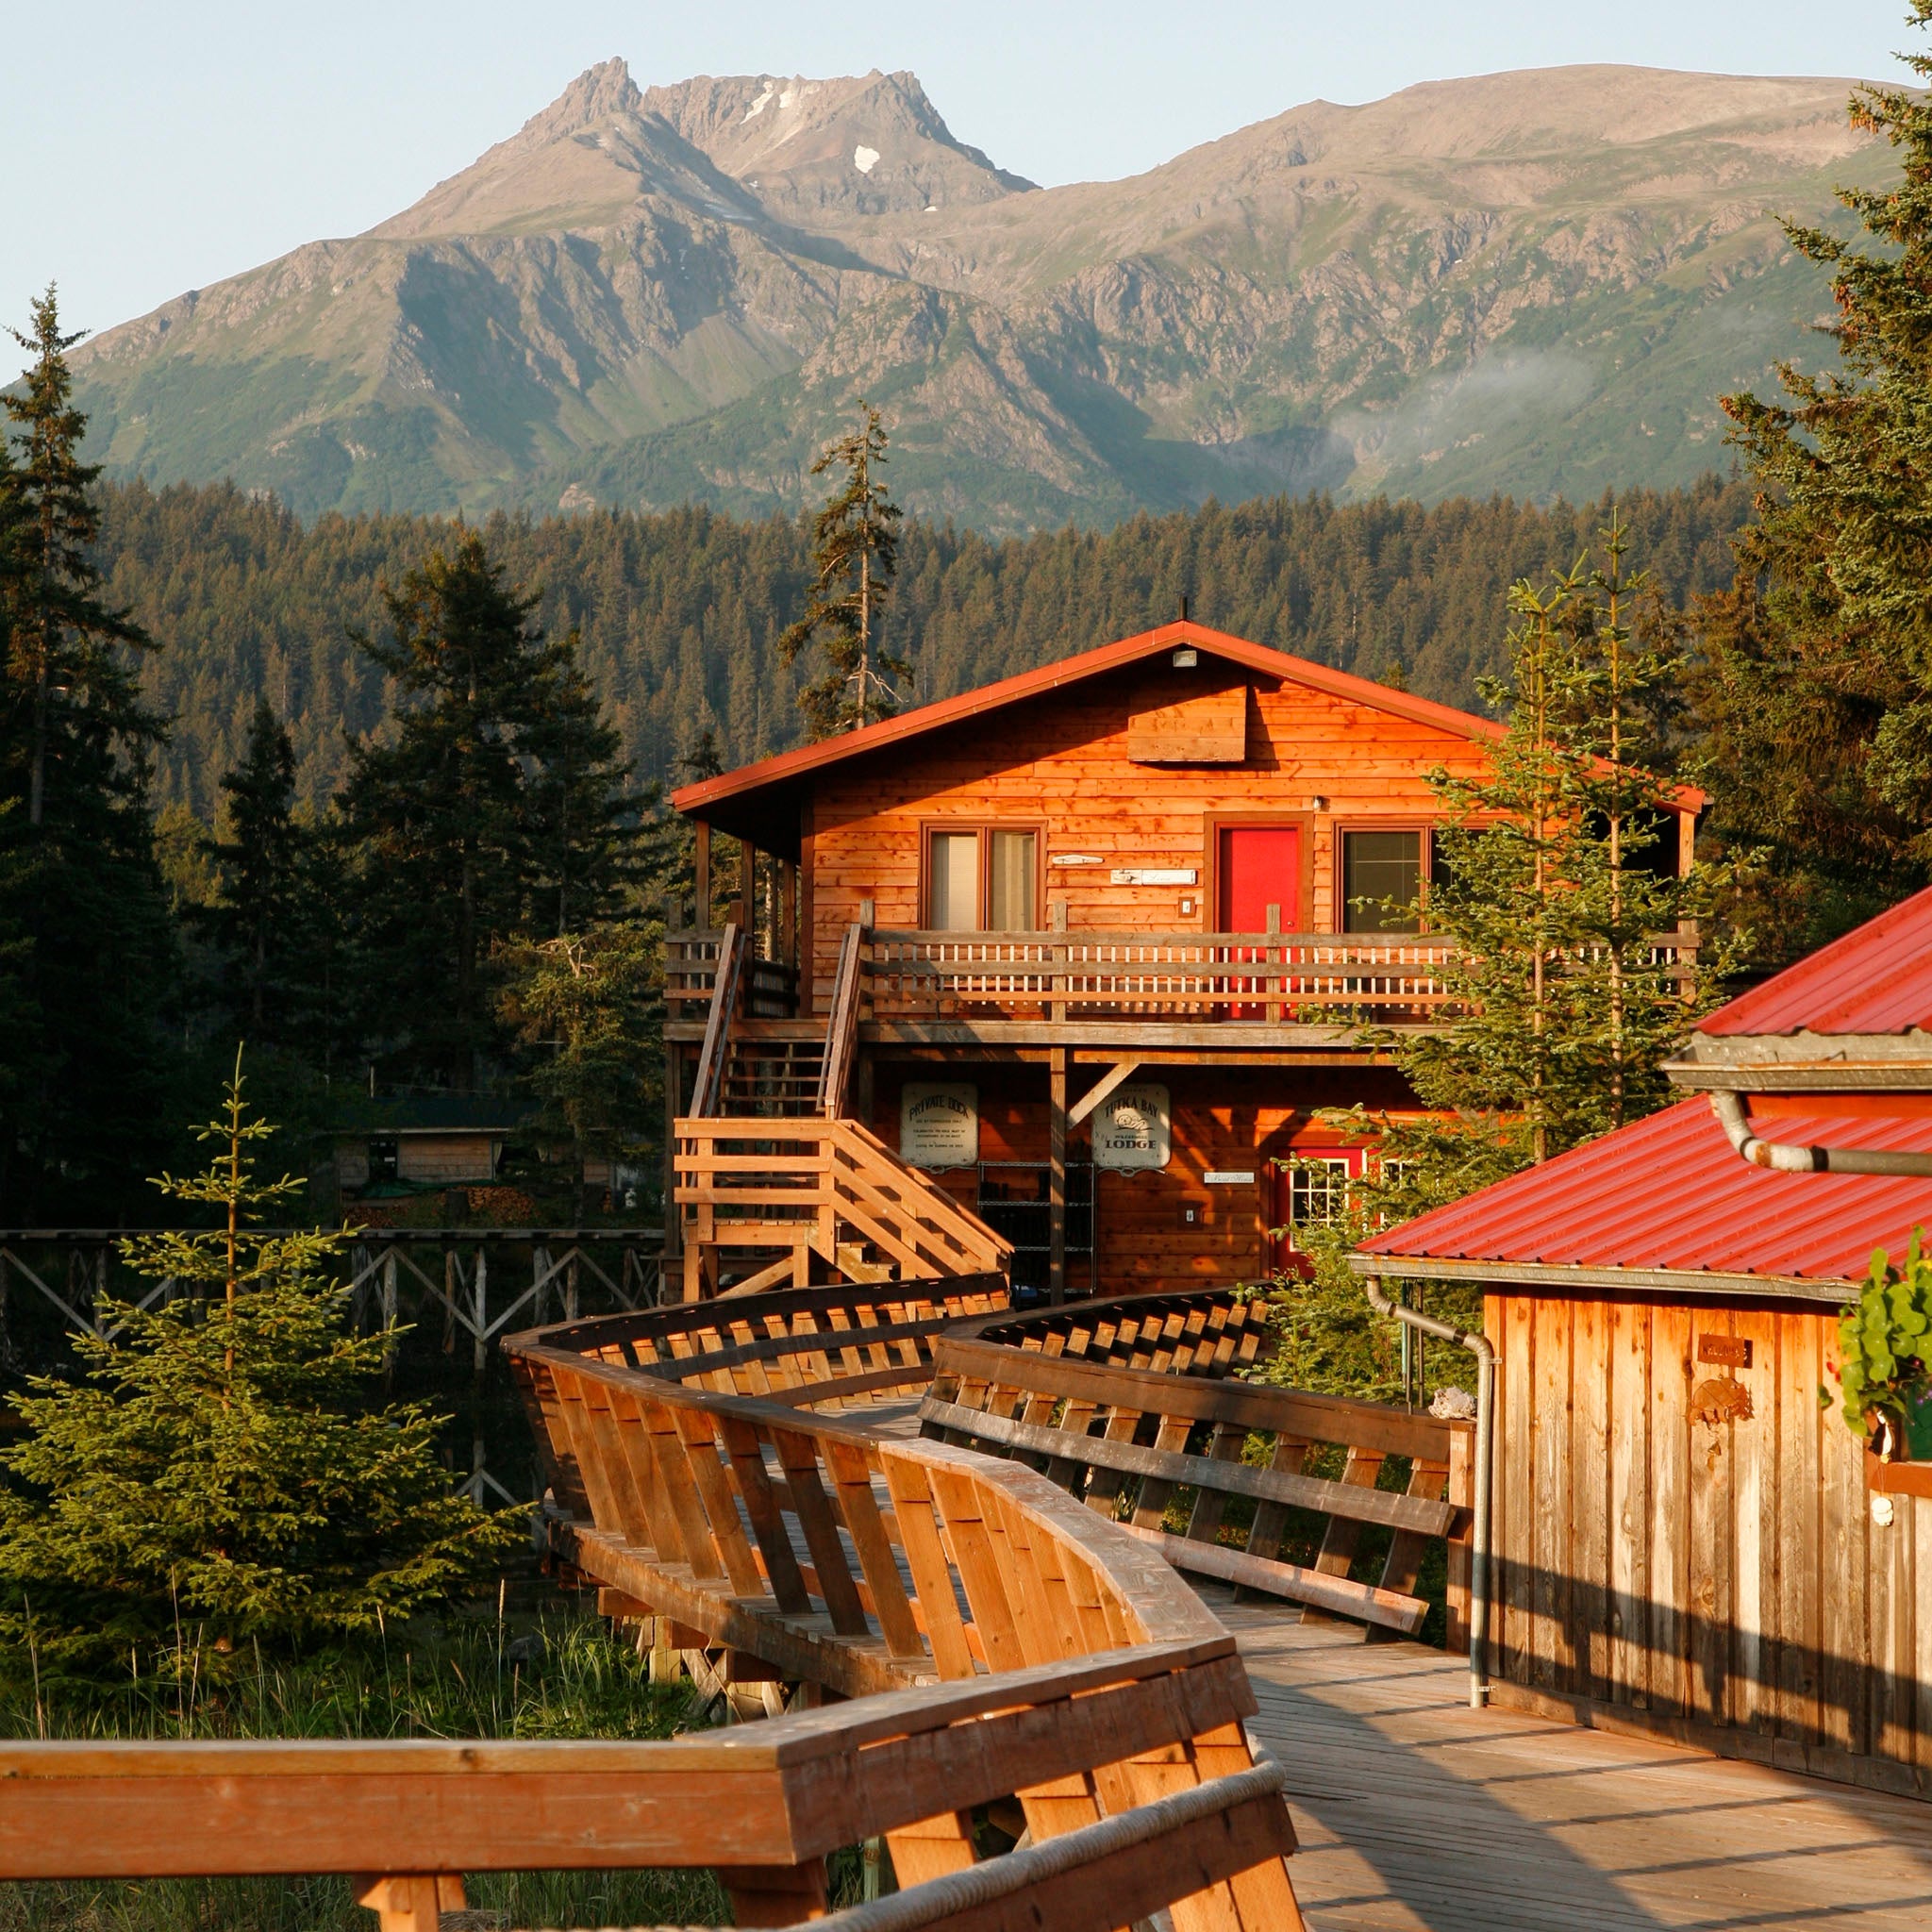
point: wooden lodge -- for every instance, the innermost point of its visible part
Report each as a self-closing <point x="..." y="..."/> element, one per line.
<point x="1084" y="950"/>
<point x="1688" y="1538"/>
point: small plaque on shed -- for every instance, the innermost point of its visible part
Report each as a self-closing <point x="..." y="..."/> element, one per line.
<point x="1210" y="729"/>
<point x="1727" y="1351"/>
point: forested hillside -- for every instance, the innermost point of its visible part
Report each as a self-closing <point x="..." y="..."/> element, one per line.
<point x="679" y="612"/>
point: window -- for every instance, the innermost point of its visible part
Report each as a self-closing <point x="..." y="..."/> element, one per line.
<point x="1317" y="1190"/>
<point x="952" y="891"/>
<point x="983" y="880"/>
<point x="1009" y="881"/>
<point x="1382" y="874"/>
<point x="383" y="1161"/>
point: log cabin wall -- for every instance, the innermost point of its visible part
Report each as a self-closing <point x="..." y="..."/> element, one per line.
<point x="1722" y="1581"/>
<point x="1061" y="762"/>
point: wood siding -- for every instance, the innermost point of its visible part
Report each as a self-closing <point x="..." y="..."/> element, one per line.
<point x="1721" y="1582"/>
<point x="1061" y="763"/>
<point x="1222" y="1119"/>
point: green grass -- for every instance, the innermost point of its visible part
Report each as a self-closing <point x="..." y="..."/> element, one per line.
<point x="490" y="1673"/>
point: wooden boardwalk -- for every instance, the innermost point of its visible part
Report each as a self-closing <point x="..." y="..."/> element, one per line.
<point x="1416" y="1812"/>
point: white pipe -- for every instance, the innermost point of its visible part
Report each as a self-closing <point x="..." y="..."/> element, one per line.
<point x="1784" y="1158"/>
<point x="1478" y="1345"/>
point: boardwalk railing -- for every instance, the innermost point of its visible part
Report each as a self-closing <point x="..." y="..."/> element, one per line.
<point x="792" y="1188"/>
<point x="866" y="1566"/>
<point x="1132" y="1391"/>
<point x="1150" y="1736"/>
<point x="812" y="1348"/>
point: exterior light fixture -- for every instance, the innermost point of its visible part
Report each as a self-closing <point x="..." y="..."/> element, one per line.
<point x="1185" y="659"/>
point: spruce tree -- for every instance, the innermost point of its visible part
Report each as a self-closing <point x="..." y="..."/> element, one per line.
<point x="587" y="1007"/>
<point x="1552" y="892"/>
<point x="492" y="806"/>
<point x="89" y="1066"/>
<point x="68" y="669"/>
<point x="855" y="554"/>
<point x="219" y="1472"/>
<point x="1817" y="695"/>
<point x="580" y="823"/>
<point x="253" y="918"/>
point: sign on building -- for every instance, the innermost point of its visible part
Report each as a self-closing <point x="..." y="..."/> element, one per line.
<point x="1130" y="1126"/>
<point x="939" y="1123"/>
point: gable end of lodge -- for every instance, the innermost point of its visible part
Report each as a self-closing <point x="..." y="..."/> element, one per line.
<point x="1128" y="910"/>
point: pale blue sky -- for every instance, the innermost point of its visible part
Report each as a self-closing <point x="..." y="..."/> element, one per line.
<point x="166" y="147"/>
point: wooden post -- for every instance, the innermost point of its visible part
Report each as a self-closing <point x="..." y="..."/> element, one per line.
<point x="388" y="1320"/>
<point x="673" y="1107"/>
<point x="480" y="1373"/>
<point x="1057" y="919"/>
<point x="747" y="892"/>
<point x="703" y="862"/>
<point x="1462" y="1494"/>
<point x="1056" y="1175"/>
<point x="1274" y="1004"/>
<point x="785" y="950"/>
<point x="414" y="1903"/>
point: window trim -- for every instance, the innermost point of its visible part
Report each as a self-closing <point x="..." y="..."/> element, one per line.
<point x="1215" y="823"/>
<point x="982" y="830"/>
<point x="1427" y="827"/>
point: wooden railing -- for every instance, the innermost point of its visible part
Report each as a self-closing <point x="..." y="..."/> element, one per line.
<point x="1116" y="1393"/>
<point x="690" y="969"/>
<point x="726" y="985"/>
<point x="828" y="1188"/>
<point x="810" y="1348"/>
<point x="841" y="1026"/>
<point x="1076" y="1670"/>
<point x="1132" y="1768"/>
<point x="1278" y="976"/>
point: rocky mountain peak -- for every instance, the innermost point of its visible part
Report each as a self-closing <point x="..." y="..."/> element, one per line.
<point x="596" y="95"/>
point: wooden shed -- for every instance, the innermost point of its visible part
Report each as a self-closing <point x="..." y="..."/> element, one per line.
<point x="1688" y="1539"/>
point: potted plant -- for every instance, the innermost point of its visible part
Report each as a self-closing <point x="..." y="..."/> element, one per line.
<point x="1885" y="1357"/>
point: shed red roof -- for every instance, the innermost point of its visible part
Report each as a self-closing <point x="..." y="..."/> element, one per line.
<point x="1667" y="1197"/>
<point x="1876" y="979"/>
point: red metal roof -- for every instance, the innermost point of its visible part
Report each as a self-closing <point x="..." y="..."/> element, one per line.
<point x="971" y="703"/>
<point x="1876" y="979"/>
<point x="1667" y="1193"/>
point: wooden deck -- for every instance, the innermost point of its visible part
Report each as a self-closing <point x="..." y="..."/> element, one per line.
<point x="1416" y="1812"/>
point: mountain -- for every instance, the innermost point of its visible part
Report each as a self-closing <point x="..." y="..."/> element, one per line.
<point x="1534" y="282"/>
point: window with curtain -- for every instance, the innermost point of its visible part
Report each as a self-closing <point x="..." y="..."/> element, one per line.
<point x="952" y="886"/>
<point x="1381" y="878"/>
<point x="1009" y="892"/>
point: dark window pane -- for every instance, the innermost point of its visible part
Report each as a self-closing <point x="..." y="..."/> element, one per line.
<point x="1382" y="877"/>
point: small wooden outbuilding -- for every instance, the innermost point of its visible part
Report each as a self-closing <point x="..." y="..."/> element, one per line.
<point x="1688" y="1540"/>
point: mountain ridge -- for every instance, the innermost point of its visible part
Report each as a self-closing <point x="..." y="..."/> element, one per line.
<point x="1535" y="281"/>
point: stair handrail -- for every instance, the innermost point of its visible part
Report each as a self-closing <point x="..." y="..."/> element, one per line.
<point x="988" y="1248"/>
<point x="841" y="1027"/>
<point x="726" y="985"/>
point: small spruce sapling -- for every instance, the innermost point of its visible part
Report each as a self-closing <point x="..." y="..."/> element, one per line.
<point x="215" y="1476"/>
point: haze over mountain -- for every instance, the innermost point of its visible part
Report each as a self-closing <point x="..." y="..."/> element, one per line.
<point x="1533" y="282"/>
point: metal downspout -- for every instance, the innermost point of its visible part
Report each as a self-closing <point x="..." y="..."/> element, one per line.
<point x="1478" y="1345"/>
<point x="1783" y="1157"/>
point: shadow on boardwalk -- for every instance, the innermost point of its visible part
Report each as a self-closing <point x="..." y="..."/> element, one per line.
<point x="1416" y="1812"/>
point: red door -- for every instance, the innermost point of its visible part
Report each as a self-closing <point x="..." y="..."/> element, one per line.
<point x="1257" y="867"/>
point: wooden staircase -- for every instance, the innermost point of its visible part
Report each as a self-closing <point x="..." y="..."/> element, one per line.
<point x="772" y="1176"/>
